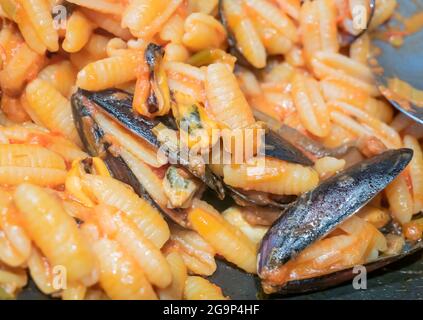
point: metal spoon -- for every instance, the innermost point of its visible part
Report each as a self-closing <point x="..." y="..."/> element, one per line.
<point x="404" y="62"/>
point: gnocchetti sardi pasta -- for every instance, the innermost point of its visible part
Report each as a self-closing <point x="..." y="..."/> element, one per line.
<point x="119" y="127"/>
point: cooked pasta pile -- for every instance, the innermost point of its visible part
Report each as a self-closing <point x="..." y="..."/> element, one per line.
<point x="61" y="210"/>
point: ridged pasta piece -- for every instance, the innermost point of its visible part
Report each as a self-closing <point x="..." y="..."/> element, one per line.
<point x="21" y="67"/>
<point x="93" y="51"/>
<point x="360" y="49"/>
<point x="173" y="30"/>
<point x="113" y="7"/>
<point x="227" y="240"/>
<point x="12" y="280"/>
<point x="311" y="107"/>
<point x="175" y="52"/>
<point x="291" y="7"/>
<point x="13" y="175"/>
<point x="338" y="90"/>
<point x="175" y="290"/>
<point x="226" y="100"/>
<point x="275" y="17"/>
<point x="376" y="216"/>
<point x="109" y="22"/>
<point x="20" y="155"/>
<point x="74" y="292"/>
<point x="78" y="32"/>
<point x="143" y="251"/>
<point x="120" y="276"/>
<point x="109" y="72"/>
<point x="61" y="75"/>
<point x="274" y="176"/>
<point x="145" y="17"/>
<point x="203" y="32"/>
<point x="318" y="27"/>
<point x="234" y="216"/>
<point x="53" y="109"/>
<point x="197" y="288"/>
<point x="55" y="233"/>
<point x="197" y="254"/>
<point x="416" y="172"/>
<point x="116" y="194"/>
<point x="334" y="65"/>
<point x="400" y="199"/>
<point x="41" y="271"/>
<point x="248" y="40"/>
<point x="369" y="124"/>
<point x="328" y="166"/>
<point x="14" y="241"/>
<point x="13" y="109"/>
<point x="39" y="13"/>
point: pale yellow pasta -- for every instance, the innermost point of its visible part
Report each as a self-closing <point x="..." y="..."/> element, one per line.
<point x="360" y="49"/>
<point x="20" y="155"/>
<point x="248" y="40"/>
<point x="311" y="107"/>
<point x="176" y="52"/>
<point x="61" y="75"/>
<point x="275" y="17"/>
<point x="78" y="32"/>
<point x="115" y="193"/>
<point x="196" y="253"/>
<point x="234" y="216"/>
<point x="39" y="14"/>
<point x="119" y="227"/>
<point x="290" y="7"/>
<point x="108" y="22"/>
<point x="371" y="125"/>
<point x="275" y="176"/>
<point x="341" y="90"/>
<point x="53" y="109"/>
<point x="337" y="66"/>
<point x="204" y="6"/>
<point x="109" y="72"/>
<point x="22" y="66"/>
<point x="116" y="268"/>
<point x="318" y="27"/>
<point x="400" y="199"/>
<point x="227" y="240"/>
<point x="41" y="272"/>
<point x="384" y="10"/>
<point x="173" y="30"/>
<point x="416" y="172"/>
<point x="115" y="47"/>
<point x="12" y="280"/>
<point x="14" y="109"/>
<point x="197" y="288"/>
<point x="376" y="216"/>
<point x="55" y="233"/>
<point x="28" y="32"/>
<point x="175" y="290"/>
<point x="226" y="100"/>
<point x="145" y="17"/>
<point x="12" y="175"/>
<point x="94" y="50"/>
<point x="203" y="32"/>
<point x="74" y="292"/>
<point x="328" y="166"/>
<point x="104" y="6"/>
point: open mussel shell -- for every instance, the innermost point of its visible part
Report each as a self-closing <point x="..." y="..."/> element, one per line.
<point x="92" y="137"/>
<point x="117" y="104"/>
<point x="316" y="213"/>
<point x="342" y="276"/>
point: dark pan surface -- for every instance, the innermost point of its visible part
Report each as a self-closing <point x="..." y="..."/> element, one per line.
<point x="401" y="280"/>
